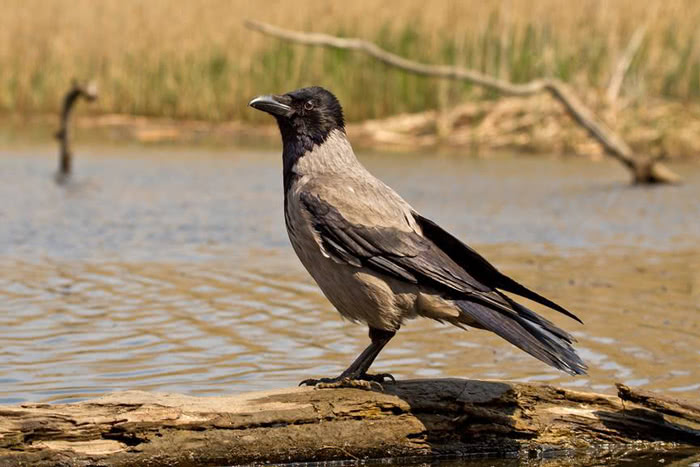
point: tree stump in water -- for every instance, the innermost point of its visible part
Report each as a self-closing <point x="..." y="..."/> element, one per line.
<point x="65" y="161"/>
<point x="409" y="418"/>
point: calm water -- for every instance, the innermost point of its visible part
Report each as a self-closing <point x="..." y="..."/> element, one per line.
<point x="169" y="269"/>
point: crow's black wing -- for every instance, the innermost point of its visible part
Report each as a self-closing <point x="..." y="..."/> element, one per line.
<point x="478" y="267"/>
<point x="401" y="254"/>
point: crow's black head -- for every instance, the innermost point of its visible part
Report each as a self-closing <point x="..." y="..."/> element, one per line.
<point x="306" y="116"/>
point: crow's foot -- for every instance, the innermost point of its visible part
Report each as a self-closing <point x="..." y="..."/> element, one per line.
<point x="366" y="381"/>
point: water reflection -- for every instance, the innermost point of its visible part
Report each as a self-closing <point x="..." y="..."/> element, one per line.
<point x="616" y="458"/>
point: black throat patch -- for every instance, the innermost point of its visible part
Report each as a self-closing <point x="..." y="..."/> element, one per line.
<point x="314" y="113"/>
<point x="297" y="141"/>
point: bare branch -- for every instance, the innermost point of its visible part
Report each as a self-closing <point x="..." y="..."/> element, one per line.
<point x="643" y="171"/>
<point x="439" y="71"/>
<point x="87" y="92"/>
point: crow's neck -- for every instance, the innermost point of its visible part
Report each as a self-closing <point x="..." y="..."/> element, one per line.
<point x="304" y="156"/>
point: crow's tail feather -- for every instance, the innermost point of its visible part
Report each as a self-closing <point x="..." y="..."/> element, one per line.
<point x="529" y="332"/>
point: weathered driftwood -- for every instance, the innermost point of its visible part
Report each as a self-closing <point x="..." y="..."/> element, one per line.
<point x="65" y="162"/>
<point x="643" y="170"/>
<point x="410" y="418"/>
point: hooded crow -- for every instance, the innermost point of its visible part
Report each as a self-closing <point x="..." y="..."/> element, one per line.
<point x="379" y="261"/>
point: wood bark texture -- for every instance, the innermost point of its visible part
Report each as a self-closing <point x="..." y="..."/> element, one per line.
<point x="410" y="418"/>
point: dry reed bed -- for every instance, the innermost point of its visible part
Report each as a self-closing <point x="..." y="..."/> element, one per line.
<point x="195" y="60"/>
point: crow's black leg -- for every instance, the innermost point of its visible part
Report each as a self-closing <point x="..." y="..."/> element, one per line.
<point x="358" y="369"/>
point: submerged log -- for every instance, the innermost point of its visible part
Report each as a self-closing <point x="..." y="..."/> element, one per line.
<point x="409" y="418"/>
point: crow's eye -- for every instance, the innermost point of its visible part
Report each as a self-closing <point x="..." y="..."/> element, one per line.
<point x="308" y="105"/>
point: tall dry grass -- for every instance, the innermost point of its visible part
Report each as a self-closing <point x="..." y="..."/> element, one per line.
<point x="190" y="59"/>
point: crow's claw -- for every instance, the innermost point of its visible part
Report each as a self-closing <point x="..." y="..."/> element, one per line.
<point x="364" y="381"/>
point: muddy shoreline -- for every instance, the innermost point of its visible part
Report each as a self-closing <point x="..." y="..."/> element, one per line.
<point x="536" y="125"/>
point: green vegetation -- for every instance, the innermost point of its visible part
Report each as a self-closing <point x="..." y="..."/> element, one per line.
<point x="195" y="60"/>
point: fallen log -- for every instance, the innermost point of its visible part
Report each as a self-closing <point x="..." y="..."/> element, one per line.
<point x="410" y="418"/>
<point x="644" y="170"/>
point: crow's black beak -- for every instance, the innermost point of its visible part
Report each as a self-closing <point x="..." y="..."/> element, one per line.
<point x="275" y="105"/>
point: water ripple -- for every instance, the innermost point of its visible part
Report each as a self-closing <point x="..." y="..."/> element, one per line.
<point x="175" y="275"/>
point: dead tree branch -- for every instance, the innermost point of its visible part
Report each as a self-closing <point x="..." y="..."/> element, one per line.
<point x="87" y="92"/>
<point x="410" y="418"/>
<point x="644" y="171"/>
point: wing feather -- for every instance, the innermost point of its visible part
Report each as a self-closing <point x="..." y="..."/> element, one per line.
<point x="403" y="254"/>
